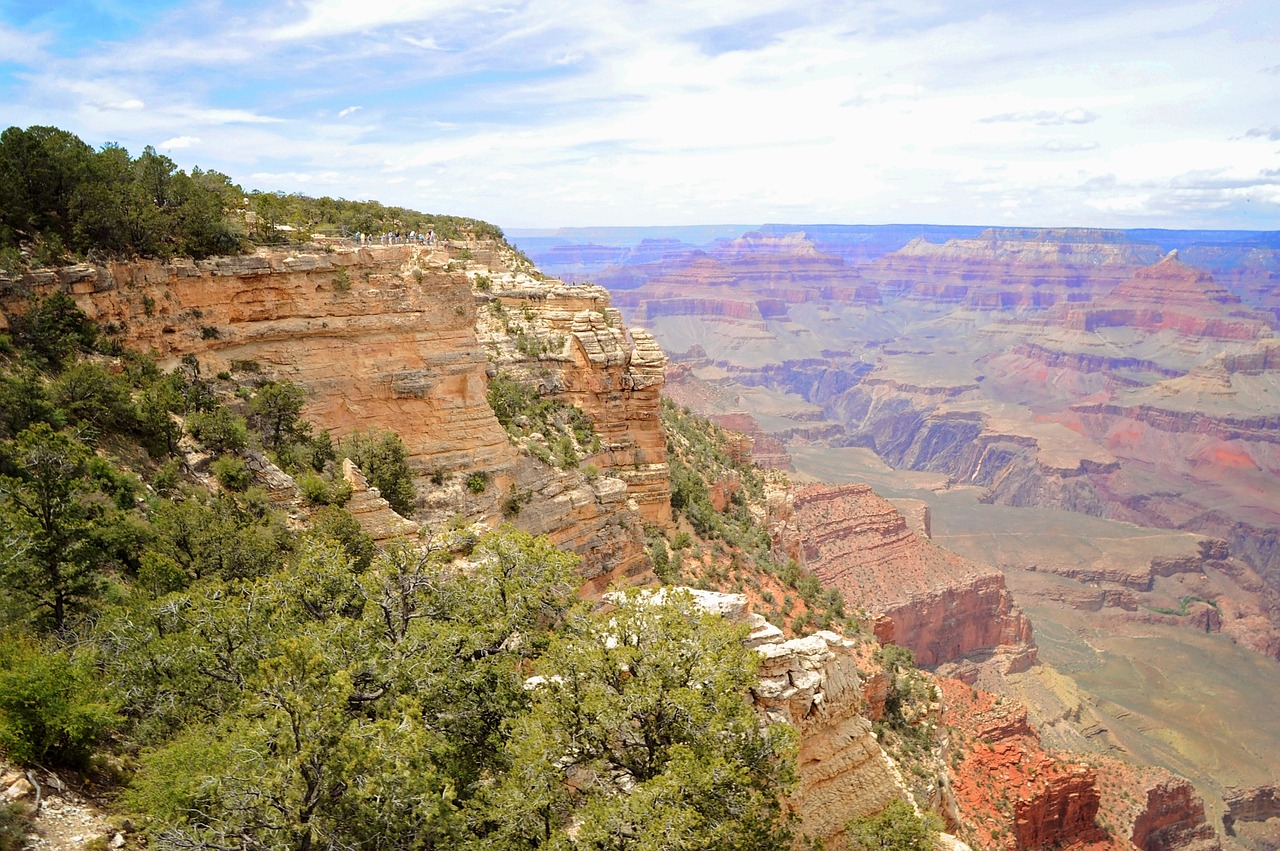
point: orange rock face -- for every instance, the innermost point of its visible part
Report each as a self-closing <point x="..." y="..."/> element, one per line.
<point x="941" y="606"/>
<point x="386" y="337"/>
<point x="1012" y="794"/>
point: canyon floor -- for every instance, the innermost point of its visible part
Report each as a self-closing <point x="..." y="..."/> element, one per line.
<point x="1195" y="703"/>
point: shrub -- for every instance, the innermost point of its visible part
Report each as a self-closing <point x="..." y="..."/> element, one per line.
<point x="219" y="429"/>
<point x="478" y="482"/>
<point x="383" y="459"/>
<point x="54" y="328"/>
<point x="232" y="473"/>
<point x="515" y="501"/>
<point x="895" y="828"/>
<point x="15" y="821"/>
<point x="317" y="490"/>
<point x="50" y="709"/>
<point x="339" y="526"/>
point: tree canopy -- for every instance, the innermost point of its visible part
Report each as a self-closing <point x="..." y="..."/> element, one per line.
<point x="60" y="199"/>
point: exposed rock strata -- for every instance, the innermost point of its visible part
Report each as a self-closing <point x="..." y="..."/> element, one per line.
<point x="812" y="683"/>
<point x="941" y="606"/>
<point x="1173" y="819"/>
<point x="385" y="337"/>
<point x="1012" y="793"/>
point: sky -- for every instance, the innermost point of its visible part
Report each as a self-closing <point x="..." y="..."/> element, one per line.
<point x="551" y="113"/>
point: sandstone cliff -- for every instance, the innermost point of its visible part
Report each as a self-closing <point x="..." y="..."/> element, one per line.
<point x="941" y="606"/>
<point x="813" y="684"/>
<point x="386" y="337"/>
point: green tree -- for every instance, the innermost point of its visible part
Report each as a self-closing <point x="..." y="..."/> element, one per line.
<point x="52" y="710"/>
<point x="91" y="396"/>
<point x="276" y="412"/>
<point x="41" y="171"/>
<point x="201" y="219"/>
<point x="339" y="526"/>
<point x="327" y="707"/>
<point x="383" y="459"/>
<point x="895" y="828"/>
<point x="221" y="429"/>
<point x="640" y="736"/>
<point x="54" y="328"/>
<point x="221" y="538"/>
<point x="23" y="401"/>
<point x="48" y="525"/>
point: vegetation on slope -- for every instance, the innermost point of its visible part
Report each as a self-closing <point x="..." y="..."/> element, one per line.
<point x="245" y="681"/>
<point x="60" y="199"/>
<point x="555" y="432"/>
<point x="729" y="548"/>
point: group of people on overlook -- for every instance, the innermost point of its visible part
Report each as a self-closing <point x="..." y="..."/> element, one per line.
<point x="396" y="238"/>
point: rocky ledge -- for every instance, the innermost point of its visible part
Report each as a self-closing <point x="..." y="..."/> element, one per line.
<point x="943" y="607"/>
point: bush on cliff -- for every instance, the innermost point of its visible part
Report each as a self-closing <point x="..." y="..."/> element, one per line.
<point x="382" y="457"/>
<point x="52" y="710"/>
<point x="895" y="828"/>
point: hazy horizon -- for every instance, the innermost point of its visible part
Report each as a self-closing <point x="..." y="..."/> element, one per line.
<point x="560" y="113"/>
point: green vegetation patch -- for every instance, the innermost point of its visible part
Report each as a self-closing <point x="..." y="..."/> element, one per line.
<point x="556" y="432"/>
<point x="61" y="200"/>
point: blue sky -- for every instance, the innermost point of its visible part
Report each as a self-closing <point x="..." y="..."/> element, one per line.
<point x="552" y="113"/>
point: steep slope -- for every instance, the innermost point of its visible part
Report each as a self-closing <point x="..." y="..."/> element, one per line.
<point x="386" y="337"/>
<point x="943" y="607"/>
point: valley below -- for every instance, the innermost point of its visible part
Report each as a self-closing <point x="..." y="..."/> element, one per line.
<point x="1094" y="414"/>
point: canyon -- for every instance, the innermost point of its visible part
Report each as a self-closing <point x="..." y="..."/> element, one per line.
<point x="410" y="338"/>
<point x="1089" y="416"/>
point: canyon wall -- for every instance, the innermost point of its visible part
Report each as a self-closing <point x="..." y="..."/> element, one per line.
<point x="386" y="337"/>
<point x="941" y="606"/>
<point x="813" y="684"/>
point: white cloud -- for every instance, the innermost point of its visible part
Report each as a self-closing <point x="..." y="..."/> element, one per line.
<point x="614" y="112"/>
<point x="426" y="43"/>
<point x="22" y="46"/>
<point x="324" y="18"/>
<point x="130" y="105"/>
<point x="1044" y="117"/>
<point x="178" y="142"/>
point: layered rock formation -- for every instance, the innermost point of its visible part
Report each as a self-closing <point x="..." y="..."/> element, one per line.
<point x="1172" y="817"/>
<point x="1007" y="269"/>
<point x="386" y="337"/>
<point x="569" y="341"/>
<point x="943" y="607"/>
<point x="813" y="684"/>
<point x="1014" y="794"/>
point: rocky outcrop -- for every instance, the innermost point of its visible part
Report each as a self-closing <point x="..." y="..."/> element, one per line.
<point x="374" y="514"/>
<point x="812" y="683"/>
<point x="1257" y="804"/>
<point x="941" y="606"/>
<point x="386" y="337"/>
<point x="766" y="450"/>
<point x="1173" y="819"/>
<point x="1012" y="794"/>
<point x="569" y="342"/>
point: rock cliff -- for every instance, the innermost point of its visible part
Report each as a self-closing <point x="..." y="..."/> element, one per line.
<point x="1015" y="794"/>
<point x="813" y="684"/>
<point x="391" y="337"/>
<point x="943" y="607"/>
